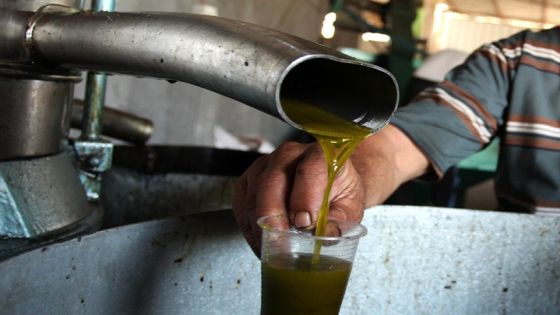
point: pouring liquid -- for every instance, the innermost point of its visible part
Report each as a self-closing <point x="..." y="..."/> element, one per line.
<point x="313" y="284"/>
<point x="337" y="137"/>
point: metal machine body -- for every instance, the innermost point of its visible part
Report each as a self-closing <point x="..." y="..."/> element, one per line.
<point x="41" y="198"/>
<point x="43" y="45"/>
<point x="35" y="122"/>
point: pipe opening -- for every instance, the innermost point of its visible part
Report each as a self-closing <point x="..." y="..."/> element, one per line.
<point x="362" y="93"/>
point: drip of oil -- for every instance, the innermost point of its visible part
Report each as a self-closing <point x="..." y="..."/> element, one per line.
<point x="337" y="137"/>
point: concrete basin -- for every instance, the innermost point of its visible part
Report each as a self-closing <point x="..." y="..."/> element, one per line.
<point x="415" y="260"/>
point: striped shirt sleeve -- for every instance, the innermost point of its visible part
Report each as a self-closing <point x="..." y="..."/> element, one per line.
<point x="461" y="115"/>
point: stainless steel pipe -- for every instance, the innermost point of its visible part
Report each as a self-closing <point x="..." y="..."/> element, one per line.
<point x="33" y="5"/>
<point x="13" y="25"/>
<point x="117" y="124"/>
<point x="249" y="63"/>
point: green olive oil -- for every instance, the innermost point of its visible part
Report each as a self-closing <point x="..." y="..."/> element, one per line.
<point x="313" y="284"/>
<point x="338" y="139"/>
<point x="292" y="285"/>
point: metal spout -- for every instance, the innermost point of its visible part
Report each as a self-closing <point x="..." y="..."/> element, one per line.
<point x="249" y="63"/>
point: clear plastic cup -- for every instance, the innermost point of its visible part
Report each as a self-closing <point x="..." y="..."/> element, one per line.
<point x="302" y="273"/>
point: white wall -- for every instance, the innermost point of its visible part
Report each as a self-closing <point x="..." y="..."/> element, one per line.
<point x="185" y="114"/>
<point x="464" y="33"/>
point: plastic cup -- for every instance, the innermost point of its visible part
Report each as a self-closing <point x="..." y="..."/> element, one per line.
<point x="303" y="273"/>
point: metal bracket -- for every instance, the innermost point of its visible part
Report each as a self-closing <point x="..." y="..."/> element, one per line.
<point x="94" y="158"/>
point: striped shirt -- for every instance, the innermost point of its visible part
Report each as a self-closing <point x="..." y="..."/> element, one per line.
<point x="508" y="89"/>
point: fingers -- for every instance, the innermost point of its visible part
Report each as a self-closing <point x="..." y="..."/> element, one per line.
<point x="243" y="203"/>
<point x="346" y="200"/>
<point x="292" y="180"/>
<point x="308" y="188"/>
<point x="348" y="196"/>
<point x="263" y="189"/>
<point x="274" y="184"/>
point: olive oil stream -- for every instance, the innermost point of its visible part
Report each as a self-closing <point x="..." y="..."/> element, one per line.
<point x="337" y="137"/>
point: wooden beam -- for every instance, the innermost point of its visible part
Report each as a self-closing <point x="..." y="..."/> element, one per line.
<point x="497" y="9"/>
<point x="544" y="9"/>
<point x="480" y="13"/>
<point x="451" y="5"/>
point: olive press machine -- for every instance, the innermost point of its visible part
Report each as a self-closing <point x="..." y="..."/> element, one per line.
<point x="49" y="184"/>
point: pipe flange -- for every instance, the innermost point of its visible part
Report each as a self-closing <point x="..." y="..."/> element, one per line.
<point x="24" y="67"/>
<point x="32" y="22"/>
<point x="37" y="72"/>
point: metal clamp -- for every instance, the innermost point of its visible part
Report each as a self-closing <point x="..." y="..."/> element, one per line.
<point x="94" y="158"/>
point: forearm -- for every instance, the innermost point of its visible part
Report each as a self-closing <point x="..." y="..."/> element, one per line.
<point x="385" y="161"/>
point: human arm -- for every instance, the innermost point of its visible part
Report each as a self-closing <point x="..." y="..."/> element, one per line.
<point x="443" y="125"/>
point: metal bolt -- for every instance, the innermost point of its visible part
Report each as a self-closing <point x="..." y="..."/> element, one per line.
<point x="94" y="161"/>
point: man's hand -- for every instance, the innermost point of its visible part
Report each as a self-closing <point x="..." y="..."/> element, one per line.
<point x="293" y="179"/>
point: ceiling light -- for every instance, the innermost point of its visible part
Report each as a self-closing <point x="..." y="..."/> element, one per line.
<point x="327" y="31"/>
<point x="330" y="18"/>
<point x="442" y="6"/>
<point x="376" y="37"/>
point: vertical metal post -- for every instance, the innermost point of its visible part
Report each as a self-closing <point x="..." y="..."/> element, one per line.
<point x="95" y="88"/>
<point x="103" y="5"/>
<point x="94" y="100"/>
<point x="93" y="153"/>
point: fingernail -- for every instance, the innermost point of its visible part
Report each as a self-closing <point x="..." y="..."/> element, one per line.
<point x="302" y="219"/>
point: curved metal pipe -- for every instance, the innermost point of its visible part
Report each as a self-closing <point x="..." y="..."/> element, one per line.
<point x="249" y="63"/>
<point x="117" y="124"/>
<point x="34" y="5"/>
<point x="14" y="22"/>
<point x="13" y="25"/>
